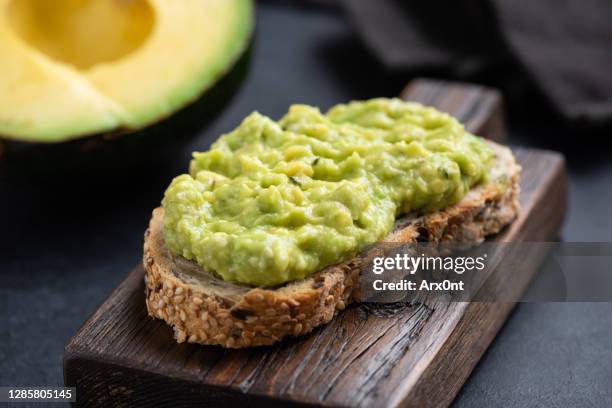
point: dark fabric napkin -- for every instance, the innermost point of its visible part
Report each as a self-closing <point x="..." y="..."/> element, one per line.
<point x="563" y="46"/>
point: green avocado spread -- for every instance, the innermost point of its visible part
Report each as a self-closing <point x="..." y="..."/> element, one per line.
<point x="275" y="201"/>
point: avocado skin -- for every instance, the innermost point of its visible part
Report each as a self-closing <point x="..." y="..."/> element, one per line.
<point x="124" y="149"/>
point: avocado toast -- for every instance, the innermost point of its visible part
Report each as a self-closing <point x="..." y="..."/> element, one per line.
<point x="206" y="307"/>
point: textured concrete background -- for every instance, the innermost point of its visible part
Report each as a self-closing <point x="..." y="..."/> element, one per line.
<point x="66" y="242"/>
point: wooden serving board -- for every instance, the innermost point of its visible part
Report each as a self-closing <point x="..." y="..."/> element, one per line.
<point x="369" y="355"/>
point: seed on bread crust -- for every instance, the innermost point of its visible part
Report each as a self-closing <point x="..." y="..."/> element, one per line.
<point x="242" y="314"/>
<point x="255" y="298"/>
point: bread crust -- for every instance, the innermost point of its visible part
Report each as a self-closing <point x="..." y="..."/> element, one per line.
<point x="203" y="308"/>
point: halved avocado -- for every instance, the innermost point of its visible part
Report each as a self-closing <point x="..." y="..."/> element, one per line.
<point x="72" y="68"/>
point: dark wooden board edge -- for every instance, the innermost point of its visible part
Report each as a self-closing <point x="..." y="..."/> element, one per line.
<point x="479" y="108"/>
<point x="110" y="389"/>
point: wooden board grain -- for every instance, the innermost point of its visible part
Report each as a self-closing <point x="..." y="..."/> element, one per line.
<point x="369" y="355"/>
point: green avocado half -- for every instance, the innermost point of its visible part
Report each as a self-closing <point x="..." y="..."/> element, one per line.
<point x="75" y="68"/>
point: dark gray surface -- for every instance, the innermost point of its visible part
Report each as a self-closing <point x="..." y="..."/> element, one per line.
<point x="66" y="242"/>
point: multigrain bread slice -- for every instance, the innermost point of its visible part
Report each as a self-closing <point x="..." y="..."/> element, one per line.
<point x="203" y="308"/>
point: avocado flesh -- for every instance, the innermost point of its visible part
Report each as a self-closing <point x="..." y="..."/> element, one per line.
<point x="57" y="85"/>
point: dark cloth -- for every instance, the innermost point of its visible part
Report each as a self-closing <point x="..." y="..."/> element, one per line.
<point x="563" y="46"/>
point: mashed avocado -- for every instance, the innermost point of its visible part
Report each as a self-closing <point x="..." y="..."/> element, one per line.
<point x="272" y="202"/>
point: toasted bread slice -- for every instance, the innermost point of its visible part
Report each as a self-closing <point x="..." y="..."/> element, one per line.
<point x="203" y="308"/>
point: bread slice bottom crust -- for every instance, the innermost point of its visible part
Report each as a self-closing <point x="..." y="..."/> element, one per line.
<point x="203" y="308"/>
